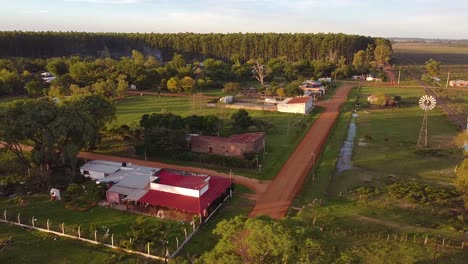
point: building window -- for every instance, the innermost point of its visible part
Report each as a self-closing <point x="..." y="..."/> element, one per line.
<point x="86" y="172"/>
<point x="210" y="149"/>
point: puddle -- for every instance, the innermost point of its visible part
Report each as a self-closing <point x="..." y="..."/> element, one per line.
<point x="344" y="160"/>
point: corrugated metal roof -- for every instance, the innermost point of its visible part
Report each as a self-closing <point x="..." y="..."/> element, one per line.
<point x="196" y="205"/>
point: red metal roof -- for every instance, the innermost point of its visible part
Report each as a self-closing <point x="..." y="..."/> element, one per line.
<point x="189" y="182"/>
<point x="217" y="186"/>
<point x="238" y="138"/>
<point x="299" y="100"/>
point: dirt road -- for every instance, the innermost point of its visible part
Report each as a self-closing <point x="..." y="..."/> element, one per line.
<point x="253" y="184"/>
<point x="281" y="191"/>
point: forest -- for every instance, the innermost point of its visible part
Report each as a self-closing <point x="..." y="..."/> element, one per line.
<point x="225" y="47"/>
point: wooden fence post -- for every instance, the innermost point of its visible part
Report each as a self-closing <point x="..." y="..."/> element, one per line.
<point x="48" y="229"/>
<point x="19" y="220"/>
<point x="463" y="244"/>
<point x="185" y="231"/>
<point x="177" y="241"/>
<point x="32" y="221"/>
<point x="4" y="215"/>
<point x="388" y="237"/>
<point x="425" y="240"/>
<point x="63" y="228"/>
<point x="79" y="231"/>
<point x="112" y="239"/>
<point x="443" y="242"/>
<point x="95" y="235"/>
<point x="148" y="246"/>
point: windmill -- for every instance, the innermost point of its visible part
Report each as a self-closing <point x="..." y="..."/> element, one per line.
<point x="426" y="103"/>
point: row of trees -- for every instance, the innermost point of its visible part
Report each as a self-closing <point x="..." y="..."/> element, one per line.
<point x="242" y="47"/>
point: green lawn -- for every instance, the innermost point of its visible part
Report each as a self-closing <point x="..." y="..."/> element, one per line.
<point x="386" y="153"/>
<point x="280" y="142"/>
<point x="97" y="218"/>
<point x="37" y="247"/>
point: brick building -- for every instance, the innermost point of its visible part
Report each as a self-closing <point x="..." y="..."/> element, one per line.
<point x="234" y="146"/>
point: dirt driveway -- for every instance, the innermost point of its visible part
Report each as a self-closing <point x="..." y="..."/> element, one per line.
<point x="285" y="186"/>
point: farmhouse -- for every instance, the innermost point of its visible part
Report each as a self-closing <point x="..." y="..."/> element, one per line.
<point x="166" y="194"/>
<point x="234" y="146"/>
<point x="458" y="83"/>
<point x="311" y="87"/>
<point x="189" y="195"/>
<point x="299" y="105"/>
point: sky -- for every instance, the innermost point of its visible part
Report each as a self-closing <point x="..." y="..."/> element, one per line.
<point x="447" y="19"/>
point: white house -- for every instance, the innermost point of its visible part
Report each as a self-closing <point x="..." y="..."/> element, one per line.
<point x="458" y="83"/>
<point x="299" y="105"/>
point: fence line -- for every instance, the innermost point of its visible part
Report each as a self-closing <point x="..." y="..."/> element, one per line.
<point x="421" y="239"/>
<point x="196" y="230"/>
<point x="96" y="242"/>
<point x="62" y="234"/>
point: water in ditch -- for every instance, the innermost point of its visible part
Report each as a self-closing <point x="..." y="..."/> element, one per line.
<point x="344" y="160"/>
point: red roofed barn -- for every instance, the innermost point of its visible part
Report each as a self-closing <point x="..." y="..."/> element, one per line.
<point x="234" y="146"/>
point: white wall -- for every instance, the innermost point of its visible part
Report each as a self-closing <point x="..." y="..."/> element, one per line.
<point x="178" y="190"/>
<point x="292" y="108"/>
<point x="95" y="175"/>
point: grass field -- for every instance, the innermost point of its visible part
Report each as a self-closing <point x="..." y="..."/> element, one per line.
<point x="281" y="139"/>
<point x="97" y="218"/>
<point x="421" y="52"/>
<point x="36" y="247"/>
<point x="386" y="153"/>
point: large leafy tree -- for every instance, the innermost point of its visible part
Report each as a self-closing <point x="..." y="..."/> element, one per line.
<point x="433" y="67"/>
<point x="461" y="181"/>
<point x="264" y="240"/>
<point x="55" y="132"/>
<point x="241" y="119"/>
<point x="260" y="70"/>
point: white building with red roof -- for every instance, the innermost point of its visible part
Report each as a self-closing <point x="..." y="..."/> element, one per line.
<point x="175" y="195"/>
<point x="298" y="105"/>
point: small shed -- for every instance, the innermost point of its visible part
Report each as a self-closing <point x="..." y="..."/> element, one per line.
<point x="227" y="99"/>
<point x="298" y="105"/>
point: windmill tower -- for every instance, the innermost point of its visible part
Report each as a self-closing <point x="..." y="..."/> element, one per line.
<point x="426" y="103"/>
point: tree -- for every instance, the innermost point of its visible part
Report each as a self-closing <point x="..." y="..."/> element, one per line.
<point x="173" y="85"/>
<point x="231" y="88"/>
<point x="461" y="139"/>
<point x="96" y="106"/>
<point x="382" y="52"/>
<point x="280" y="92"/>
<point x="461" y="181"/>
<point x="35" y="87"/>
<point x="433" y="67"/>
<point x="106" y="88"/>
<point x="57" y="66"/>
<point x="187" y="84"/>
<point x="259" y="70"/>
<point x="359" y="61"/>
<point x="241" y="119"/>
<point x="10" y="82"/>
<point x="264" y="240"/>
<point x="122" y="85"/>
<point x="55" y="132"/>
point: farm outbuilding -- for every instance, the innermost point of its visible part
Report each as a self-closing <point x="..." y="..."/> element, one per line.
<point x="234" y="146"/>
<point x="298" y="105"/>
<point x="458" y="83"/>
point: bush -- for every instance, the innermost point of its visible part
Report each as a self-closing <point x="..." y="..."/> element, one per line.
<point x="421" y="193"/>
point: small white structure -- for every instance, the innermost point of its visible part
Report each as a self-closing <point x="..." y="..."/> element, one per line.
<point x="270" y="100"/>
<point x="46" y="74"/>
<point x="298" y="105"/>
<point x="325" y="79"/>
<point x="359" y="77"/>
<point x="227" y="99"/>
<point x="133" y="87"/>
<point x="55" y="194"/>
<point x="458" y="83"/>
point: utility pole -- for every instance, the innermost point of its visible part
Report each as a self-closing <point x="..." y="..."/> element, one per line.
<point x="399" y="75"/>
<point x="448" y="79"/>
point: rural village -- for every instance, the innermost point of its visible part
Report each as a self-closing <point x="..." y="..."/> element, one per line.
<point x="232" y="148"/>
